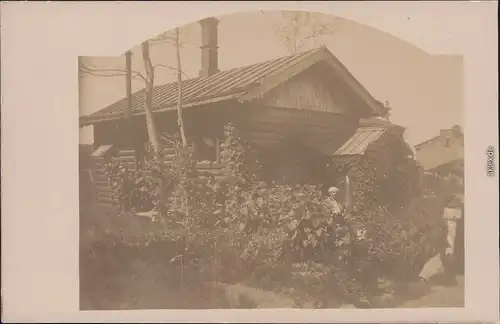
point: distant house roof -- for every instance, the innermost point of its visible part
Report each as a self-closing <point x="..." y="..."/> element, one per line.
<point x="441" y="164"/>
<point x="242" y="83"/>
<point x="454" y="130"/>
<point x="456" y="167"/>
<point x="433" y="154"/>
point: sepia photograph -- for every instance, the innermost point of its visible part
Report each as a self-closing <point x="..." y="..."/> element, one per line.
<point x="271" y="159"/>
<point x="249" y="161"/>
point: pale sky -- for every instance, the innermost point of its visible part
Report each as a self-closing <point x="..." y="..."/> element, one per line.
<point x="425" y="91"/>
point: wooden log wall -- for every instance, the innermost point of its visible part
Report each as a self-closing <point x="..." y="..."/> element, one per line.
<point x="103" y="191"/>
<point x="126" y="158"/>
<point x="312" y="89"/>
<point x="204" y="169"/>
<point x="296" y="141"/>
<point x="207" y="169"/>
<point x="273" y="126"/>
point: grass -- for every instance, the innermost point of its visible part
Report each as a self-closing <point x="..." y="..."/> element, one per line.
<point x="441" y="296"/>
<point x="111" y="282"/>
<point x="122" y="279"/>
<point x="128" y="277"/>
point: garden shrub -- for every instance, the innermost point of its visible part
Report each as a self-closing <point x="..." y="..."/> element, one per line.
<point x="393" y="234"/>
<point x="133" y="189"/>
<point x="327" y="281"/>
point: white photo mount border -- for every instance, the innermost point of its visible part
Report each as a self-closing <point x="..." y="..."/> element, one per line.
<point x="40" y="186"/>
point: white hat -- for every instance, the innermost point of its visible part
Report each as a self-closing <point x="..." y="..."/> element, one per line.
<point x="333" y="189"/>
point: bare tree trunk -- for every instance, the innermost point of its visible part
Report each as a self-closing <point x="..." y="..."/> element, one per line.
<point x="180" y="120"/>
<point x="130" y="138"/>
<point x="148" y="99"/>
<point x="150" y="120"/>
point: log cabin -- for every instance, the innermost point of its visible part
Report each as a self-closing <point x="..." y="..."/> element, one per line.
<point x="295" y="110"/>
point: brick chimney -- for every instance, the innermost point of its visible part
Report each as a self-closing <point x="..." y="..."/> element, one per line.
<point x="209" y="46"/>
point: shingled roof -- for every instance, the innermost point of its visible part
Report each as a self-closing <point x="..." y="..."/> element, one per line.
<point x="369" y="131"/>
<point x="242" y="83"/>
<point x="360" y="141"/>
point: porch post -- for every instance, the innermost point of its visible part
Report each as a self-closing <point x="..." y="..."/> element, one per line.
<point x="217" y="149"/>
<point x="347" y="194"/>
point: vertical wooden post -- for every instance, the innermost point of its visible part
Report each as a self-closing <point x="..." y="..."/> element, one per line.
<point x="130" y="141"/>
<point x="217" y="150"/>
<point x="128" y="83"/>
<point x="348" y="203"/>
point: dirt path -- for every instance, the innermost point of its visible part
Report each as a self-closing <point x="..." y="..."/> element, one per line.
<point x="441" y="296"/>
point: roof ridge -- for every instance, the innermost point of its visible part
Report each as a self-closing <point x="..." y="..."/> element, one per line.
<point x="225" y="82"/>
<point x="272" y="64"/>
<point x="297" y="54"/>
<point x="427" y="140"/>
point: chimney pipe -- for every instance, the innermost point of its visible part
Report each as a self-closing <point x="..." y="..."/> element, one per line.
<point x="209" y="46"/>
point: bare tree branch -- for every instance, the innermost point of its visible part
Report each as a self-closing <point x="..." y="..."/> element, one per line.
<point x="168" y="37"/>
<point x="170" y="68"/>
<point x="171" y="42"/>
<point x="171" y="38"/>
<point x="117" y="72"/>
<point x="109" y="72"/>
<point x="297" y="29"/>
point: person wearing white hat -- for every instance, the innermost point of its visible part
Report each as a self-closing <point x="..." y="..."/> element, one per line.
<point x="332" y="201"/>
<point x="333" y="190"/>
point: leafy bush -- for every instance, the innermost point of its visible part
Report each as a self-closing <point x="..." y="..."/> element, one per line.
<point x="264" y="246"/>
<point x="133" y="189"/>
<point x="327" y="281"/>
<point x="393" y="234"/>
<point x="239" y="226"/>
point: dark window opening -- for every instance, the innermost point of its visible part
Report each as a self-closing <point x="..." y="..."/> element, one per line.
<point x="207" y="149"/>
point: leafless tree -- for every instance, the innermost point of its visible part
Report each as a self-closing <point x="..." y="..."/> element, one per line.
<point x="298" y="29"/>
<point x="148" y="77"/>
<point x="148" y="101"/>
<point x="180" y="120"/>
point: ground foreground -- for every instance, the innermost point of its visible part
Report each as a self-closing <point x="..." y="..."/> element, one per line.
<point x="144" y="285"/>
<point x="441" y="296"/>
<point x="114" y="277"/>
